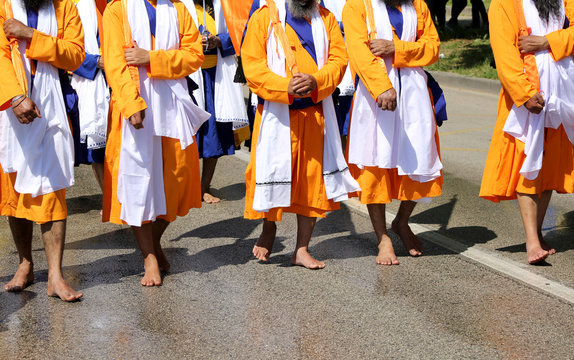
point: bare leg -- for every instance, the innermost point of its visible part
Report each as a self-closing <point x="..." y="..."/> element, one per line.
<point x="22" y="234"/>
<point x="144" y="236"/>
<point x="301" y="256"/>
<point x="99" y="174"/>
<point x="264" y="245"/>
<point x="386" y="254"/>
<point x="54" y="234"/>
<point x="542" y="207"/>
<point x="529" y="211"/>
<point x="206" y="177"/>
<point x="158" y="229"/>
<point x="400" y="226"/>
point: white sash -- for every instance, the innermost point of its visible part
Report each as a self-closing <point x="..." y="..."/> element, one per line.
<point x="405" y="138"/>
<point x="41" y="153"/>
<point x="197" y="77"/>
<point x="171" y="113"/>
<point x="273" y="152"/>
<point x="93" y="95"/>
<point x="347" y="86"/>
<point x="558" y="91"/>
<point x="229" y="100"/>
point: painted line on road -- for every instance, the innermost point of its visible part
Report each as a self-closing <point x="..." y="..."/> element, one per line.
<point x="488" y="258"/>
<point x="485" y="257"/>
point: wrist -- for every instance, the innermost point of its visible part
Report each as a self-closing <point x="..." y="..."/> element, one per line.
<point x="16" y="98"/>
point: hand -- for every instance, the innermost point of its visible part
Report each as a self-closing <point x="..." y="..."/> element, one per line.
<point x="100" y="64"/>
<point x="210" y="42"/>
<point x="387" y="100"/>
<point x="535" y="104"/>
<point x="137" y="119"/>
<point x="15" y="29"/>
<point x="531" y="44"/>
<point x="25" y="110"/>
<point x="136" y="56"/>
<point x="380" y="47"/>
<point x="302" y="85"/>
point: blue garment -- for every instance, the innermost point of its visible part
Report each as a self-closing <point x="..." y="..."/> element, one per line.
<point x="214" y="139"/>
<point x="343" y="108"/>
<point x="396" y="19"/>
<point x="304" y="32"/>
<point x="151" y="15"/>
<point x="89" y="67"/>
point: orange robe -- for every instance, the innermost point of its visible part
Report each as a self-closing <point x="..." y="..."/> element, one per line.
<point x="501" y="179"/>
<point x="180" y="167"/>
<point x="381" y="186"/>
<point x="308" y="196"/>
<point x="64" y="52"/>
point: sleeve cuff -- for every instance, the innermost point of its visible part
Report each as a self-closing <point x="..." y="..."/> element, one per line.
<point x="133" y="107"/>
<point x="227" y="48"/>
<point x="89" y="67"/>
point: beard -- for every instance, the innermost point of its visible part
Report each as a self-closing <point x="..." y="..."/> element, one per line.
<point x="299" y="9"/>
<point x="396" y="3"/>
<point x="547" y="8"/>
<point x="35" y="4"/>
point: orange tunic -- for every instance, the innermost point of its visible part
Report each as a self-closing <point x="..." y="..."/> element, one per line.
<point x="308" y="196"/>
<point x="381" y="186"/>
<point x="180" y="167"/>
<point x="65" y="52"/>
<point x="501" y="179"/>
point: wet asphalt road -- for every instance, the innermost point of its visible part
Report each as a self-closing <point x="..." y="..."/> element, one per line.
<point x="219" y="303"/>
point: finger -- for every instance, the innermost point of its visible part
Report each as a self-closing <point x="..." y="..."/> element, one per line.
<point x="37" y="111"/>
<point x="135" y="44"/>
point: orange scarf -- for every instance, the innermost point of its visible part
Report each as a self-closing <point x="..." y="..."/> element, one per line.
<point x="373" y="28"/>
<point x="133" y="69"/>
<point x="530" y="68"/>
<point x="280" y="34"/>
<point x="15" y="52"/>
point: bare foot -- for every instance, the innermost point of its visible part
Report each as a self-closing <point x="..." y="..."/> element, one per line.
<point x="301" y="257"/>
<point x="210" y="199"/>
<point x="410" y="240"/>
<point x="536" y="254"/>
<point x="152" y="275"/>
<point x="23" y="277"/>
<point x="264" y="245"/>
<point x="162" y="261"/>
<point x="386" y="254"/>
<point x="59" y="288"/>
<point x="545" y="246"/>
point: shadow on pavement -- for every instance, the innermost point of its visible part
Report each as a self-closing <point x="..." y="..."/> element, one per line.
<point x="232" y="192"/>
<point x="84" y="204"/>
<point x="11" y="303"/>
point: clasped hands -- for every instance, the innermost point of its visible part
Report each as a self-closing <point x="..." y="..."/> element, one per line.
<point x="302" y="85"/>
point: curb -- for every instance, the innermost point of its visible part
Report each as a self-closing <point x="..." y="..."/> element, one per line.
<point x="466" y="82"/>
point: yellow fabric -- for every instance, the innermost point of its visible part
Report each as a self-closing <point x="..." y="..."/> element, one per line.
<point x="423" y="52"/>
<point x="210" y="60"/>
<point x="65" y="52"/>
<point x="381" y="186"/>
<point x="501" y="179"/>
<point x="308" y="196"/>
<point x="41" y="209"/>
<point x="180" y="167"/>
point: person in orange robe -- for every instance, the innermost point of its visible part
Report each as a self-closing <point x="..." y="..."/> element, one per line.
<point x="308" y="197"/>
<point x="181" y="174"/>
<point x="502" y="179"/>
<point x="65" y="52"/>
<point x="380" y="186"/>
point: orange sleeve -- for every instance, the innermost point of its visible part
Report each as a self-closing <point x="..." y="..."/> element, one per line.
<point x="562" y="41"/>
<point x="331" y="74"/>
<point x="9" y="87"/>
<point x="124" y="91"/>
<point x="65" y="51"/>
<point x="363" y="62"/>
<point x="424" y="51"/>
<point x="175" y="64"/>
<point x="509" y="65"/>
<point x="260" y="79"/>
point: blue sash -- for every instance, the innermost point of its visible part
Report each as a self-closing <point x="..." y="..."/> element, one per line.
<point x="151" y="15"/>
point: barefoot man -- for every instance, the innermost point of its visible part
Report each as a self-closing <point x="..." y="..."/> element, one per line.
<point x="40" y="41"/>
<point x="393" y="139"/>
<point x="152" y="163"/>
<point x="531" y="152"/>
<point x="297" y="165"/>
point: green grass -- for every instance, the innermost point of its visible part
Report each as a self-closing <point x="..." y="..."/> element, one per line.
<point x="470" y="57"/>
